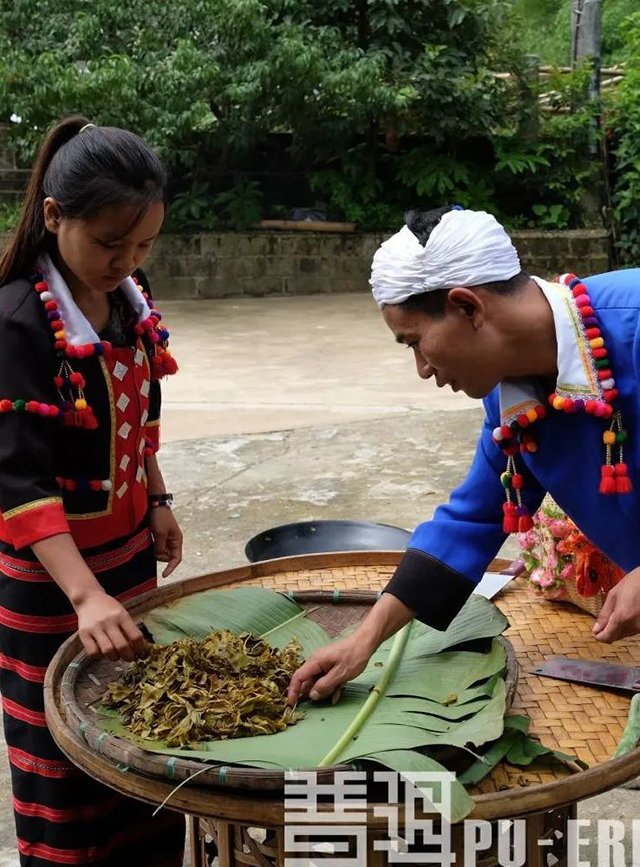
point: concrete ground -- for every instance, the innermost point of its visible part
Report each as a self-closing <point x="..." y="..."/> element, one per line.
<point x="302" y="408"/>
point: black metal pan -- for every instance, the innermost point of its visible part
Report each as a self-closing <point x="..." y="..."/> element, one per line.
<point x="320" y="537"/>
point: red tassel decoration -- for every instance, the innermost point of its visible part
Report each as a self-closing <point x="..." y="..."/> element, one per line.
<point x="623" y="482"/>
<point x="525" y="523"/>
<point x="510" y="520"/>
<point x="169" y="364"/>
<point x="607" y="480"/>
<point x="87" y="419"/>
<point x="157" y="368"/>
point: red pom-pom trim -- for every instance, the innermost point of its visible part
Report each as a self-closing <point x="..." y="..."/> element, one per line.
<point x="607" y="480"/>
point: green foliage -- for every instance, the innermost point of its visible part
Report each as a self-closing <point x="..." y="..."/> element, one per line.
<point x="242" y="204"/>
<point x="442" y="177"/>
<point x="519" y="161"/>
<point x="624" y="133"/>
<point x="355" y="199"/>
<point x="552" y="172"/>
<point x="546" y="29"/>
<point x="207" y="82"/>
<point x="191" y="209"/>
<point x="551" y="216"/>
<point x="9" y="216"/>
<point x="374" y="105"/>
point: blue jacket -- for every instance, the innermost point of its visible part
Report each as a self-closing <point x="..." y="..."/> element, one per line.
<point x="448" y="555"/>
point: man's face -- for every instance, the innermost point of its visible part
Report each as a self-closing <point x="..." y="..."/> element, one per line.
<point x="459" y="349"/>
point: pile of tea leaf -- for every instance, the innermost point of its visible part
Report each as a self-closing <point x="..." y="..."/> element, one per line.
<point x="226" y="686"/>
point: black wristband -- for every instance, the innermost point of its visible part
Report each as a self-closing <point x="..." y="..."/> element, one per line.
<point x="156" y="500"/>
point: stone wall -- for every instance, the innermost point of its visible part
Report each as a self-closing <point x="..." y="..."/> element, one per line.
<point x="304" y="263"/>
<point x="232" y="264"/>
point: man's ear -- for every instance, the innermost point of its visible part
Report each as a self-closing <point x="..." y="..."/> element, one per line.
<point x="466" y="303"/>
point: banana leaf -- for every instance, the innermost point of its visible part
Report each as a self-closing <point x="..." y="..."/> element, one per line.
<point x="516" y="747"/>
<point x="416" y="691"/>
<point x="245" y="609"/>
<point x="407" y="761"/>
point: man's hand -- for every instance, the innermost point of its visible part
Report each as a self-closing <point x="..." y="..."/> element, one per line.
<point x="328" y="668"/>
<point x="620" y="615"/>
<point x="331" y="666"/>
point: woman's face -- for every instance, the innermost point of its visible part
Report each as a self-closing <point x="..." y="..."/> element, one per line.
<point x="94" y="252"/>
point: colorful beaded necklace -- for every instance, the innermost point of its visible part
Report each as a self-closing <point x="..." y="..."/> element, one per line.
<point x="517" y="435"/>
<point x="74" y="410"/>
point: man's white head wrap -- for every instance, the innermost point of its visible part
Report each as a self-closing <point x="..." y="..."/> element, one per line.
<point x="466" y="248"/>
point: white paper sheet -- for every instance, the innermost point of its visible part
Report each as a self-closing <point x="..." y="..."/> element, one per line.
<point x="492" y="583"/>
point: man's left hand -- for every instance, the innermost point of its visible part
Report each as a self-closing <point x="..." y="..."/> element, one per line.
<point x="620" y="615"/>
<point x="167" y="537"/>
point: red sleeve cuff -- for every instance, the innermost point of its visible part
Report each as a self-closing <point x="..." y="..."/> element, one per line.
<point x="152" y="434"/>
<point x="34" y="521"/>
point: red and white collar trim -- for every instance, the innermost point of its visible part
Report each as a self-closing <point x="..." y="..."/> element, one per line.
<point x="79" y="331"/>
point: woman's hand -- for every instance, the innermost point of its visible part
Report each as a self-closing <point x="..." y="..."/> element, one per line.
<point x="167" y="537"/>
<point x="106" y="628"/>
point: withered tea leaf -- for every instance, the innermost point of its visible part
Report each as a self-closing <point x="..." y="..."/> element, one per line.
<point x="226" y="686"/>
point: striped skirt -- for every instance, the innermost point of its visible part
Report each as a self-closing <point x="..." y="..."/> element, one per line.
<point x="63" y="816"/>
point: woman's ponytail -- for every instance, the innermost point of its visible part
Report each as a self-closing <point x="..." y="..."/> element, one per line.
<point x="29" y="236"/>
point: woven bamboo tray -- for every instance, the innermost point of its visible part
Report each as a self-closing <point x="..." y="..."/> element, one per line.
<point x="85" y="680"/>
<point x="574" y="718"/>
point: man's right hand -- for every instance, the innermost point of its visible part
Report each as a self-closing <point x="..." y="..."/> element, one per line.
<point x="330" y="667"/>
<point x="333" y="665"/>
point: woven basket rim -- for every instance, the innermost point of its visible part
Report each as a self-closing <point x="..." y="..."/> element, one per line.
<point x="517" y="801"/>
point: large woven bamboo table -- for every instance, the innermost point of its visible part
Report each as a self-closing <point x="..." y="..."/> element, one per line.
<point x="581" y="720"/>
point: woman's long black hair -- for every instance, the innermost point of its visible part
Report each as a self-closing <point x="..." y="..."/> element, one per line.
<point x="84" y="172"/>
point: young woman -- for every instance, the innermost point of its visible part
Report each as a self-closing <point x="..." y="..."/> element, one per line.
<point x="84" y="513"/>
